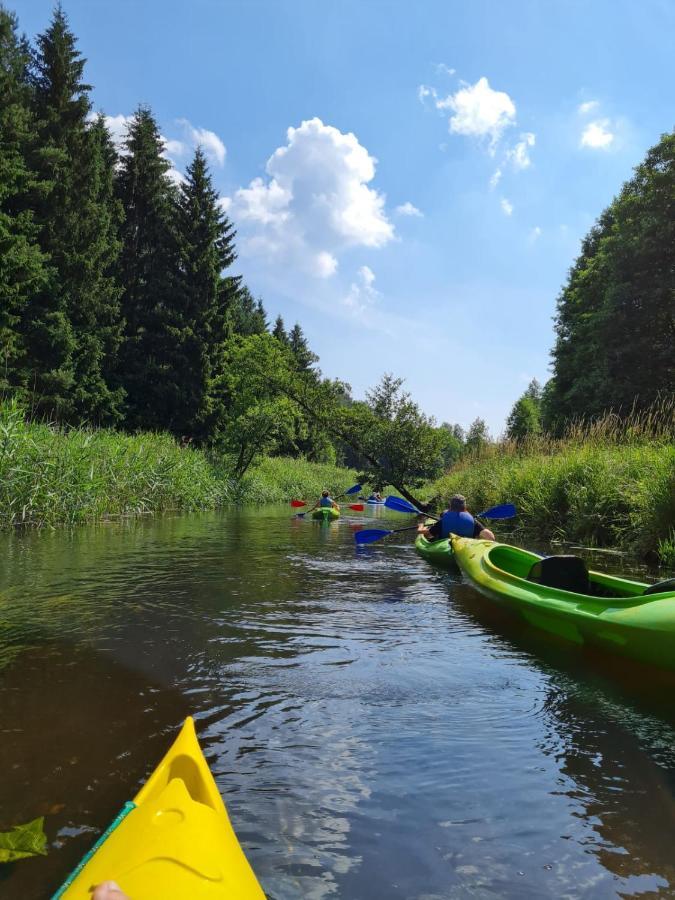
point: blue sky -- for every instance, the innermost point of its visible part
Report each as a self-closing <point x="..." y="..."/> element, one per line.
<point x="409" y="181"/>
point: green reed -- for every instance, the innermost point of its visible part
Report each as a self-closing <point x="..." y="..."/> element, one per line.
<point x="54" y="476"/>
<point x="606" y="483"/>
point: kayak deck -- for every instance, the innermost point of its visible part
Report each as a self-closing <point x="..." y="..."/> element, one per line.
<point x="326" y="514"/>
<point x="438" y="552"/>
<point x="613" y="612"/>
<point x="173" y="841"/>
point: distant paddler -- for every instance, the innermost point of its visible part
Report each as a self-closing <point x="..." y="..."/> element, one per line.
<point x="325" y="501"/>
<point x="456" y="519"/>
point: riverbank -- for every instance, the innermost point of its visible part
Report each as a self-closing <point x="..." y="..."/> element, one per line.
<point x="52" y="477"/>
<point x="605" y="496"/>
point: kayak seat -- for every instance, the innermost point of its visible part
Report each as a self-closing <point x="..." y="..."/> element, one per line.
<point x="566" y="573"/>
<point x="660" y="587"/>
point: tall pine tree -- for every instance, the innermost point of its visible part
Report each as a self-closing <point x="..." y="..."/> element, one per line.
<point x="76" y="322"/>
<point x="304" y="358"/>
<point x="206" y="249"/>
<point x="147" y="271"/>
<point x="22" y="263"/>
<point x="279" y="331"/>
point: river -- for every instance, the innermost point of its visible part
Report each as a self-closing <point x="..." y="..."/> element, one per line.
<point x="374" y="732"/>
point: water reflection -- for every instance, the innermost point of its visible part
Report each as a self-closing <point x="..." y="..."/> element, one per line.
<point x="375" y="731"/>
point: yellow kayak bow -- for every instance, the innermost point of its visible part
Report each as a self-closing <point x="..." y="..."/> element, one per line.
<point x="174" y="841"/>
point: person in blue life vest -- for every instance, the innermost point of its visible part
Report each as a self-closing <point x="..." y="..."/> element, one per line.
<point x="456" y="519"/>
<point x="327" y="500"/>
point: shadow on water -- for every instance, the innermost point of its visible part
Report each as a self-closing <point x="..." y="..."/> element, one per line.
<point x="76" y="727"/>
<point x="375" y="730"/>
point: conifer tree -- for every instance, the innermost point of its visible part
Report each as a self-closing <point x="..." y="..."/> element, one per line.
<point x="304" y="358"/>
<point x="22" y="263"/>
<point x="247" y="315"/>
<point x="615" y="325"/>
<point x="147" y="271"/>
<point x="76" y="322"/>
<point x="206" y="249"/>
<point x="279" y="331"/>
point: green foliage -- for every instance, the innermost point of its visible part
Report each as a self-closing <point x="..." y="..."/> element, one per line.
<point x="619" y="495"/>
<point x="477" y="437"/>
<point x="279" y="478"/>
<point x="453" y="447"/>
<point x="22" y="264"/>
<point x="148" y="272"/>
<point x="398" y="444"/>
<point x="257" y="418"/>
<point x="23" y="841"/>
<point x="73" y="325"/>
<point x="525" y="418"/>
<point x="54" y="476"/>
<point x="200" y="304"/>
<point x="616" y="316"/>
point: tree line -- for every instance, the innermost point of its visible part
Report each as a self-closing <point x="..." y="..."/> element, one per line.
<point x="615" y="321"/>
<point x="118" y="306"/>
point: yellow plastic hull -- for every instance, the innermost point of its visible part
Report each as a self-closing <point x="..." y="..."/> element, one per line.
<point x="174" y="841"/>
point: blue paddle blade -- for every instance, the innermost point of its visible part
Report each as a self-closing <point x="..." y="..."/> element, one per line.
<point x="505" y="511"/>
<point x="354" y="490"/>
<point x="370" y="535"/>
<point x="400" y="505"/>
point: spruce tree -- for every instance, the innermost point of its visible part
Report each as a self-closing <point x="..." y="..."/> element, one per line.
<point x="22" y="263"/>
<point x="279" y="331"/>
<point x="75" y="325"/>
<point x="247" y="315"/>
<point x="304" y="358"/>
<point x="147" y="271"/>
<point x="199" y="312"/>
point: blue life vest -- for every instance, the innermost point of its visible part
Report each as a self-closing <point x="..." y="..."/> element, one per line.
<point x="325" y="501"/>
<point x="460" y="523"/>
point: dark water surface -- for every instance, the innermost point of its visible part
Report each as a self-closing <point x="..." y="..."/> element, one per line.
<point x="375" y="733"/>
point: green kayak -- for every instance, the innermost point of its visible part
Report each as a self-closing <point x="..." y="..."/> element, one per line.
<point x="326" y="514"/>
<point x="559" y="595"/>
<point x="438" y="552"/>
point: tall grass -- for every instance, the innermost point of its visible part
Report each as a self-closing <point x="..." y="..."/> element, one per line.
<point x="51" y="476"/>
<point x="608" y="482"/>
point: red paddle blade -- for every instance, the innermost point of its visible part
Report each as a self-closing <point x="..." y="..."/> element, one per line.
<point x="296" y="504"/>
<point x="359" y="507"/>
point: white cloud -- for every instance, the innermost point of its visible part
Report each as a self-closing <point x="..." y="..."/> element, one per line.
<point x="496" y="178"/>
<point x="507" y="207"/>
<point x="587" y="107"/>
<point x="597" y="135"/>
<point x="535" y="234"/>
<point x="424" y="92"/>
<point x="442" y="69"/>
<point x="117" y="126"/>
<point x="224" y="203"/>
<point x="479" y="111"/>
<point x="325" y="264"/>
<point x="407" y="209"/>
<point x="362" y="295"/>
<point x="209" y="141"/>
<point x="519" y="156"/>
<point x="314" y="202"/>
<point x="174" y="149"/>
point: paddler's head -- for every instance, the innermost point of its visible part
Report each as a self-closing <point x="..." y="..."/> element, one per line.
<point x="325" y="493"/>
<point x="458" y="503"/>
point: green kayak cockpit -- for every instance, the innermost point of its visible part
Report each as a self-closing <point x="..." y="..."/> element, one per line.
<point x="564" y="573"/>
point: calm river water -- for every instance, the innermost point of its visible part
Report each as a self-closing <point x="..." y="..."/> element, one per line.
<point x="374" y="732"/>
